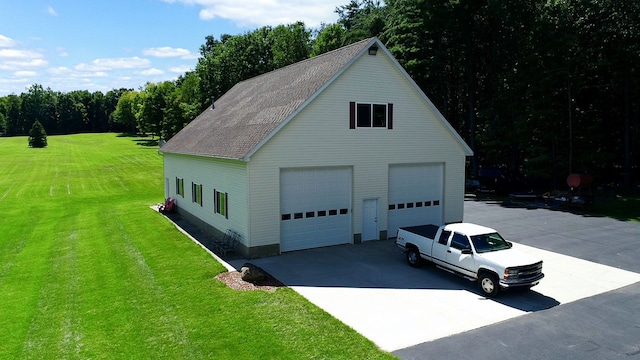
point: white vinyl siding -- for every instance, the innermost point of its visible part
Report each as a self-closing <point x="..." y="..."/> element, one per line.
<point x="225" y="176"/>
<point x="319" y="136"/>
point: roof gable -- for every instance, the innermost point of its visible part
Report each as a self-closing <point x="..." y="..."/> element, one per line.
<point x="251" y="112"/>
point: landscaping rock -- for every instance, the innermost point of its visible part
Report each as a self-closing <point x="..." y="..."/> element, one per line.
<point x="251" y="273"/>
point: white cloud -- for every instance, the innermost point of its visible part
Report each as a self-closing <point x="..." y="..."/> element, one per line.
<point x="25" y="73"/>
<point x="14" y="59"/>
<point x="64" y="71"/>
<point x="152" y="71"/>
<point x="13" y="81"/>
<point x="166" y="52"/>
<point x="6" y="41"/>
<point x="19" y="54"/>
<point x="62" y="52"/>
<point x="114" y="63"/>
<point x="247" y="13"/>
<point x="16" y="65"/>
<point x="96" y="74"/>
<point x="181" y="69"/>
<point x="52" y="11"/>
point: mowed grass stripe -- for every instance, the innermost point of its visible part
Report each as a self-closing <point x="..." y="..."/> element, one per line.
<point x="87" y="270"/>
<point x="23" y="286"/>
<point x="53" y="325"/>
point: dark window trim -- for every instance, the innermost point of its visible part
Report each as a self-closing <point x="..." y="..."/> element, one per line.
<point x="180" y="186"/>
<point x="196" y="193"/>
<point x="353" y="115"/>
<point x="216" y="203"/>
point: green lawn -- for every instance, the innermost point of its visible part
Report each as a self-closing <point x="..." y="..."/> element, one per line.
<point x="88" y="271"/>
<point x="624" y="206"/>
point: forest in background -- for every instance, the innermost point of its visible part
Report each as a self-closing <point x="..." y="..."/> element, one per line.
<point x="538" y="89"/>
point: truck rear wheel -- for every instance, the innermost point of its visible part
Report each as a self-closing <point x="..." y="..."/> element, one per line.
<point x="413" y="257"/>
<point x="488" y="283"/>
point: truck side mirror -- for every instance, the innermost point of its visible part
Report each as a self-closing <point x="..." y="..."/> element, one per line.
<point x="510" y="244"/>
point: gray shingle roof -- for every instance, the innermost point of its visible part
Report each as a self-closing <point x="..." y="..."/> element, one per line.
<point x="253" y="109"/>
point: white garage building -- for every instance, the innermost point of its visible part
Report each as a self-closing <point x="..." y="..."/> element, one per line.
<point x="338" y="149"/>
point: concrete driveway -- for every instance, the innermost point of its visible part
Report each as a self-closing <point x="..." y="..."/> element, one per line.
<point x="371" y="288"/>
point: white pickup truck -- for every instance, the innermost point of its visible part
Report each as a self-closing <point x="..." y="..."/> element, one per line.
<point x="475" y="252"/>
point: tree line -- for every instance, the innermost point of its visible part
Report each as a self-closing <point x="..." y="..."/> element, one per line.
<point x="58" y="112"/>
<point x="538" y="89"/>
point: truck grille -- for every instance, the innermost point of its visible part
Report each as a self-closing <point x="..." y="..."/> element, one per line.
<point x="529" y="271"/>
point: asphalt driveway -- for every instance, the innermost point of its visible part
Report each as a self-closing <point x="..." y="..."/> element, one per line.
<point x="605" y="325"/>
<point x="405" y="310"/>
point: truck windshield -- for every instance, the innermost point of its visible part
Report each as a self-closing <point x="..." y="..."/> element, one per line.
<point x="489" y="242"/>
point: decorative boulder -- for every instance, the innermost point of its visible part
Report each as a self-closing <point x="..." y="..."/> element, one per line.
<point x="251" y="273"/>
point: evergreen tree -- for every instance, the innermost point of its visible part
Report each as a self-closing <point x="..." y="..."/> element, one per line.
<point x="37" y="136"/>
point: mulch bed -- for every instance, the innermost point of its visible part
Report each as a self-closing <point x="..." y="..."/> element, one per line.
<point x="233" y="279"/>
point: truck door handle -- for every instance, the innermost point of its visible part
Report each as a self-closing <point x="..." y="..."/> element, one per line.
<point x="449" y="251"/>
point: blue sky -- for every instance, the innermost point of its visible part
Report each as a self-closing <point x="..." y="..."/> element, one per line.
<point x="99" y="45"/>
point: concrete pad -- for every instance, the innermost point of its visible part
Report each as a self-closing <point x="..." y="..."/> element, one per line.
<point x="413" y="306"/>
<point x="569" y="279"/>
<point x="370" y="287"/>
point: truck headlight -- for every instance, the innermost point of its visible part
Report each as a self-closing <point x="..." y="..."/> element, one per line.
<point x="511" y="273"/>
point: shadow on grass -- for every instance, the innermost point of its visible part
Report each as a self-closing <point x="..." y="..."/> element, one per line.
<point x="623" y="207"/>
<point x="142" y="139"/>
<point x="130" y="135"/>
<point x="146" y="142"/>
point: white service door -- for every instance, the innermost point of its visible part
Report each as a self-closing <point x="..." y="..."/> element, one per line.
<point x="315" y="208"/>
<point x="370" y="220"/>
<point x="415" y="195"/>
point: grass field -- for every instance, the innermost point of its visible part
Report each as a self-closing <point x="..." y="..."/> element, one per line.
<point x="88" y="271"/>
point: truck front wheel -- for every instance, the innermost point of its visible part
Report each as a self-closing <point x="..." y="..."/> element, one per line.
<point x="413" y="257"/>
<point x="488" y="284"/>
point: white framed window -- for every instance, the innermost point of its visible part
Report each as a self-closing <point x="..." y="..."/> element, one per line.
<point x="370" y="115"/>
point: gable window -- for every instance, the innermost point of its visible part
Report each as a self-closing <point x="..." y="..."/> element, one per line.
<point x="196" y="193"/>
<point x="370" y="115"/>
<point x="221" y="203"/>
<point x="180" y="186"/>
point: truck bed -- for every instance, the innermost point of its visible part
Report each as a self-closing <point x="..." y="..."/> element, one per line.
<point x="428" y="231"/>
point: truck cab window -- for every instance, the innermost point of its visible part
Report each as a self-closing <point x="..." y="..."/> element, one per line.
<point x="460" y="242"/>
<point x="444" y="237"/>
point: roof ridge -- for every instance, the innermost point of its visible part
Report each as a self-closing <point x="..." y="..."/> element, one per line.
<point x="254" y="109"/>
<point x="303" y="62"/>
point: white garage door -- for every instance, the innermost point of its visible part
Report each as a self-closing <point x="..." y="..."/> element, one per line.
<point x="315" y="207"/>
<point x="415" y="195"/>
